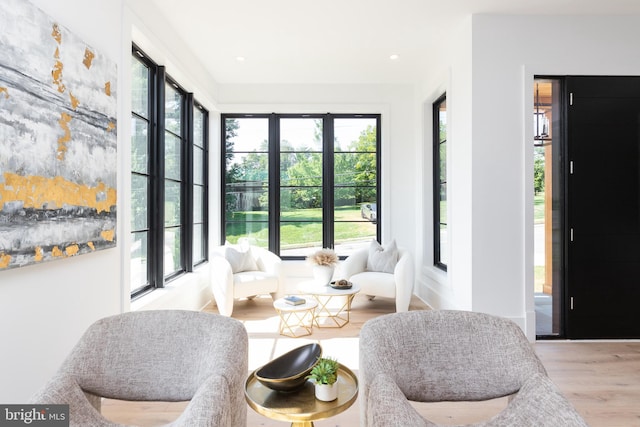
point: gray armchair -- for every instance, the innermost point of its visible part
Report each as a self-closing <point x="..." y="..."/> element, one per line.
<point x="165" y="355"/>
<point x="433" y="356"/>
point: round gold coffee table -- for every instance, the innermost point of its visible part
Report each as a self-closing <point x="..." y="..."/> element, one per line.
<point x="301" y="407"/>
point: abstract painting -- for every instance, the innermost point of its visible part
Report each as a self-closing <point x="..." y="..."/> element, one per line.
<point x="58" y="141"/>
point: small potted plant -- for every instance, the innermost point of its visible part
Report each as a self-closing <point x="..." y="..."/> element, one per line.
<point x="325" y="376"/>
<point x="324" y="262"/>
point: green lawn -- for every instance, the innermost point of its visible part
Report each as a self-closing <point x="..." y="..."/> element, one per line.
<point x="305" y="231"/>
<point x="538" y="208"/>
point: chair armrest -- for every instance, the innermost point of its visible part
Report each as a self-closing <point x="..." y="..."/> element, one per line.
<point x="404" y="276"/>
<point x="386" y="405"/>
<point x="354" y="264"/>
<point x="222" y="283"/>
<point x="63" y="389"/>
<point x="212" y="406"/>
<point x="538" y="403"/>
<point x="270" y="263"/>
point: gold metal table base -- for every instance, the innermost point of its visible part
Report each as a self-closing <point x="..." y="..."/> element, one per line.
<point x="293" y="318"/>
<point x="339" y="316"/>
<point x="336" y="312"/>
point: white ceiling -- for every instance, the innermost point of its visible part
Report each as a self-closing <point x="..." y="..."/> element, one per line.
<point x="338" y="41"/>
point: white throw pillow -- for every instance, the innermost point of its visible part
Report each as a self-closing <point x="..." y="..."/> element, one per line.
<point x="240" y="258"/>
<point x="383" y="259"/>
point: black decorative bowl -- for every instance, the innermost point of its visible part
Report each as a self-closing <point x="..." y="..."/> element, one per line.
<point x="289" y="371"/>
<point x="341" y="284"/>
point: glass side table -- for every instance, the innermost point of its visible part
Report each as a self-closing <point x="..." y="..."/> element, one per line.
<point x="301" y="407"/>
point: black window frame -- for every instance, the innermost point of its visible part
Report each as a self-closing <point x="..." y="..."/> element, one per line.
<point x="185" y="158"/>
<point x="438" y="183"/>
<point x="274" y="184"/>
<point x="156" y="226"/>
<point x="204" y="236"/>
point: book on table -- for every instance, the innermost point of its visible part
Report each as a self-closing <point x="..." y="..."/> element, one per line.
<point x="294" y="300"/>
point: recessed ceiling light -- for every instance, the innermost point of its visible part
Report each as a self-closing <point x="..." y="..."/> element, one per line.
<point x="239" y="58"/>
<point x="394" y="57"/>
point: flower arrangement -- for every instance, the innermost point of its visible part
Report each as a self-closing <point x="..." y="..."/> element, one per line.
<point x="324" y="256"/>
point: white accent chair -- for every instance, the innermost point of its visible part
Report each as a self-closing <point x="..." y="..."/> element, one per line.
<point x="398" y="286"/>
<point x="263" y="276"/>
<point x="161" y="355"/>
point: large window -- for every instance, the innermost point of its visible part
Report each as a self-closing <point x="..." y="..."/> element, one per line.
<point x="441" y="248"/>
<point x="168" y="178"/>
<point x="296" y="182"/>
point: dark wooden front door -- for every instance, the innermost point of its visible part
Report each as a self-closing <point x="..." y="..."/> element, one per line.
<point x="603" y="207"/>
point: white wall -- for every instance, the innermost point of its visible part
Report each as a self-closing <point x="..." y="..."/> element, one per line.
<point x="506" y="52"/>
<point x="452" y="73"/>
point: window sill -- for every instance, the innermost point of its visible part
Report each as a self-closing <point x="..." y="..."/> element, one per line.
<point x="191" y="291"/>
<point x="436" y="277"/>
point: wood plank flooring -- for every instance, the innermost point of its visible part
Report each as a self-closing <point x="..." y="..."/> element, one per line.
<point x="601" y="379"/>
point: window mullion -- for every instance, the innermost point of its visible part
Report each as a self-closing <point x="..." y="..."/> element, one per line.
<point x="274" y="184"/>
<point x="158" y="185"/>
<point x="378" y="176"/>
<point x="328" y="181"/>
<point x="223" y="178"/>
<point x="204" y="233"/>
<point x="205" y="179"/>
<point x="187" y="182"/>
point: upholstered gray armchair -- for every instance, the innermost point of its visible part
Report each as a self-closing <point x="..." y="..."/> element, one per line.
<point x="161" y="355"/>
<point x="433" y="356"/>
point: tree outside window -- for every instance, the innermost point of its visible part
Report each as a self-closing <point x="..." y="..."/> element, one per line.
<point x="305" y="190"/>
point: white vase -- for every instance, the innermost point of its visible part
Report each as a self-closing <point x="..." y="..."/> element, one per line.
<point x="326" y="392"/>
<point x="323" y="274"/>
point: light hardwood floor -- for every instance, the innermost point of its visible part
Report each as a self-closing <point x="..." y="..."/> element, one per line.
<point x="601" y="379"/>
